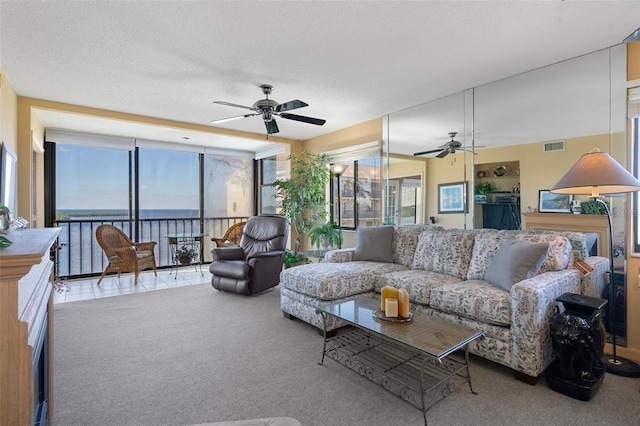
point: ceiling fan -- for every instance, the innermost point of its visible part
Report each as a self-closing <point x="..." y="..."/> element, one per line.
<point x="269" y="109"/>
<point x="448" y="148"/>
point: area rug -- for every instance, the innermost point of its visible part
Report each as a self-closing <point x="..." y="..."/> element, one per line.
<point x="192" y="355"/>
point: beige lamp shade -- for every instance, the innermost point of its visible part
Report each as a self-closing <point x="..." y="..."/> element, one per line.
<point x="594" y="174"/>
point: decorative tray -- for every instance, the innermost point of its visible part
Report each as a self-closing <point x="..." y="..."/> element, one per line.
<point x="381" y="316"/>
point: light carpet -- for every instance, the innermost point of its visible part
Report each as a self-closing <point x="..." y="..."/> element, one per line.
<point x="194" y="355"/>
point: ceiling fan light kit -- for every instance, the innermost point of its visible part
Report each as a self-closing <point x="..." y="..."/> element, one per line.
<point x="269" y="109"/>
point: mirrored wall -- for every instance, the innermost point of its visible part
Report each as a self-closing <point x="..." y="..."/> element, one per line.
<point x="537" y="123"/>
<point x="517" y="137"/>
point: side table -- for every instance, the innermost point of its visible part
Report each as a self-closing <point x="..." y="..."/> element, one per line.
<point x="578" y="336"/>
<point x="192" y="240"/>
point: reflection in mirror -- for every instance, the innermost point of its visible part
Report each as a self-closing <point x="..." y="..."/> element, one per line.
<point x="406" y="193"/>
<point x="423" y="128"/>
<point x="543" y="120"/>
<point x="8" y="180"/>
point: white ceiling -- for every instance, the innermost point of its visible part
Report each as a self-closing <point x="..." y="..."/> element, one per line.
<point x="350" y="61"/>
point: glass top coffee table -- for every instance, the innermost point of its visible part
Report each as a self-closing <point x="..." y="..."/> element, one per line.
<point x="414" y="359"/>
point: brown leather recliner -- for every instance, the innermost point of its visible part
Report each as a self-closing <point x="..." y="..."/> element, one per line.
<point x="255" y="265"/>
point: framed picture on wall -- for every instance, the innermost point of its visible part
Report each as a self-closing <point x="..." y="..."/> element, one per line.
<point x="452" y="197"/>
<point x="554" y="203"/>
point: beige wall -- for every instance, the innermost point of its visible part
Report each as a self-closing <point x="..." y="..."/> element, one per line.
<point x="8" y="113"/>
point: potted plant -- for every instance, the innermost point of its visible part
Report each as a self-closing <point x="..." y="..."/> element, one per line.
<point x="186" y="254"/>
<point x="294" y="259"/>
<point x="593" y="207"/>
<point x="326" y="235"/>
<point x="483" y="188"/>
<point x="481" y="191"/>
<point x="303" y="194"/>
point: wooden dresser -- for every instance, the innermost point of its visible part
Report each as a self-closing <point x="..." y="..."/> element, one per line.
<point x="26" y="327"/>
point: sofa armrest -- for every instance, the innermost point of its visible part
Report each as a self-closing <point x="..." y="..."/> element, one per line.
<point x="594" y="283"/>
<point x="339" y="255"/>
<point x="533" y="304"/>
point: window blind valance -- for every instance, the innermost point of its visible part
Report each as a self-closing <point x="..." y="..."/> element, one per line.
<point x="89" y="139"/>
<point x="356" y="152"/>
<point x="169" y="146"/>
<point x="130" y="144"/>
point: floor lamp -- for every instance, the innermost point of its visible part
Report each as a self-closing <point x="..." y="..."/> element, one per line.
<point x="338" y="170"/>
<point x="594" y="174"/>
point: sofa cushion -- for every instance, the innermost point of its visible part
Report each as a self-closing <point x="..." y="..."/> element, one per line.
<point x="514" y="261"/>
<point x="444" y="251"/>
<point x="485" y="245"/>
<point x="374" y="244"/>
<point x="416" y="281"/>
<point x="330" y="281"/>
<point x="473" y="299"/>
<point x="559" y="249"/>
<point x="405" y="240"/>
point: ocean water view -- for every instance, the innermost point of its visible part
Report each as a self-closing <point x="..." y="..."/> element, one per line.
<point x="123" y="214"/>
<point x="81" y="255"/>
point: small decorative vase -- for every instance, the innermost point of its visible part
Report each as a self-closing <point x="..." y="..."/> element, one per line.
<point x="5" y="219"/>
<point x="324" y="242"/>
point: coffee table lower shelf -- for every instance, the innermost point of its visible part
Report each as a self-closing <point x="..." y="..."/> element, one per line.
<point x="415" y="377"/>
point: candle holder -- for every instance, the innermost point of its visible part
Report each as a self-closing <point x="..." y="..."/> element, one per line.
<point x="378" y="314"/>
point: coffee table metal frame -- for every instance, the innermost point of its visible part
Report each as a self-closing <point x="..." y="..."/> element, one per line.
<point x="412" y="360"/>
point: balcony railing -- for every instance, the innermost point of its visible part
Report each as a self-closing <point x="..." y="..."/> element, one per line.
<point x="79" y="254"/>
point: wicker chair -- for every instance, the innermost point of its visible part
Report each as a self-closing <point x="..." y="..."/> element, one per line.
<point x="231" y="237"/>
<point x="123" y="254"/>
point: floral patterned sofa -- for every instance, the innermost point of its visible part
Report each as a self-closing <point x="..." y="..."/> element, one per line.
<point x="444" y="273"/>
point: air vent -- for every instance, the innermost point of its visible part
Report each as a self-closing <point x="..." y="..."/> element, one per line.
<point x="553" y="146"/>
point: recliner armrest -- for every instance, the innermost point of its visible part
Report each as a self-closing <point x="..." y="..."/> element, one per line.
<point x="227" y="253"/>
<point x="264" y="254"/>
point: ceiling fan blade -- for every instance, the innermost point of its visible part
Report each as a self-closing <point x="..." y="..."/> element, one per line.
<point x="233" y="105"/>
<point x="288" y="106"/>
<point x="237" y="117"/>
<point x="272" y="127"/>
<point x="427" y="152"/>
<point x="443" y="154"/>
<point x="310" y="120"/>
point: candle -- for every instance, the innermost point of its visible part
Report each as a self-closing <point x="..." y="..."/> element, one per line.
<point x="387" y="293"/>
<point x="391" y="307"/>
<point x="403" y="303"/>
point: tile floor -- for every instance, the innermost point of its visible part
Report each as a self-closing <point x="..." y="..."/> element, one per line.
<point x="111" y="285"/>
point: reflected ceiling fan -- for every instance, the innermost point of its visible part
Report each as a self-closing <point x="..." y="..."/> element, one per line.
<point x="448" y="148"/>
<point x="269" y="109"/>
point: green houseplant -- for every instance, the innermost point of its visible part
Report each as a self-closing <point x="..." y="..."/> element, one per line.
<point x="294" y="259"/>
<point x="329" y="233"/>
<point x="303" y="194"/>
<point x="186" y="254"/>
<point x="485" y="187"/>
<point x="593" y="207"/>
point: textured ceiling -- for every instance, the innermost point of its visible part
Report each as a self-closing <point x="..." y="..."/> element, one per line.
<point x="350" y="61"/>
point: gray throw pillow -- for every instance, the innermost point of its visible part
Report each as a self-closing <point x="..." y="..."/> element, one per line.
<point x="374" y="244"/>
<point x="514" y="261"/>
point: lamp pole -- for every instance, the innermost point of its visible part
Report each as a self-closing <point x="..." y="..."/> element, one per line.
<point x="338" y="170"/>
